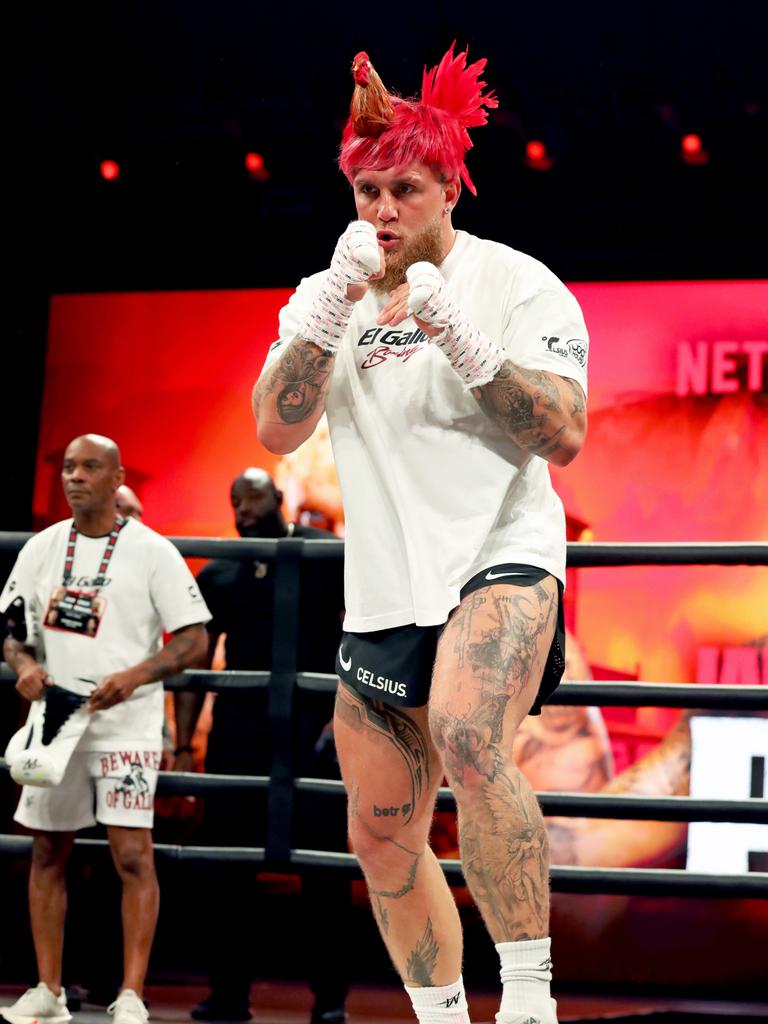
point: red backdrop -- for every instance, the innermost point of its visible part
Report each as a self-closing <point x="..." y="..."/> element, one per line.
<point x="676" y="452"/>
<point x="169" y="375"/>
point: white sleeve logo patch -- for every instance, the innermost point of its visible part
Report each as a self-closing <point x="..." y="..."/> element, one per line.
<point x="573" y="348"/>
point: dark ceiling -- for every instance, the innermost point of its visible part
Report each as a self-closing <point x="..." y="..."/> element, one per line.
<point x="177" y="92"/>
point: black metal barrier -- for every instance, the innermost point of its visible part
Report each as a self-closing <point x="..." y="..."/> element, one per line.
<point x="283" y="681"/>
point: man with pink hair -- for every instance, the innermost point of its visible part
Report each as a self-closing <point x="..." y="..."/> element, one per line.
<point x="452" y="370"/>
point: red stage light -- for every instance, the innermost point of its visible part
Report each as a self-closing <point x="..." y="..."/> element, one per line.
<point x="691" y="144"/>
<point x="110" y="170"/>
<point x="256" y="166"/>
<point x="535" y="151"/>
<point x="692" y="149"/>
<point x="536" y="156"/>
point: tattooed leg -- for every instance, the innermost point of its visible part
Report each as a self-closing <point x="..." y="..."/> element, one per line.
<point x="391" y="771"/>
<point x="489" y="666"/>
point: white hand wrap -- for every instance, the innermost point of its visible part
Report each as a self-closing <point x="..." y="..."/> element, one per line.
<point x="355" y="258"/>
<point x="474" y="357"/>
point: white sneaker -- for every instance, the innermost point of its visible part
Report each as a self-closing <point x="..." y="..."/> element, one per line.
<point x="526" y="1018"/>
<point x="128" y="1008"/>
<point x="38" y="1004"/>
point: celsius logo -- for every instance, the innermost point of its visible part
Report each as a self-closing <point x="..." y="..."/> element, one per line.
<point x="574" y="348"/>
<point x="381" y="683"/>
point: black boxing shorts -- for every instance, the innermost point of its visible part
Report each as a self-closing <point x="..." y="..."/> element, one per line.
<point x="395" y="665"/>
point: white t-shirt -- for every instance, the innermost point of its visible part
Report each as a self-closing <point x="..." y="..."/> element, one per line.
<point x="148" y="589"/>
<point x="433" y="490"/>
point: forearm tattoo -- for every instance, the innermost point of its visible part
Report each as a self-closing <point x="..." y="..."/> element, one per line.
<point x="534" y="408"/>
<point x="298" y="381"/>
<point x="176" y="655"/>
<point x="663" y="771"/>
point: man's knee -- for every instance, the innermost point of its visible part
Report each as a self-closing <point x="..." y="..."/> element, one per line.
<point x="50" y="851"/>
<point x="133" y="855"/>
<point x="383" y="834"/>
<point x="474" y="747"/>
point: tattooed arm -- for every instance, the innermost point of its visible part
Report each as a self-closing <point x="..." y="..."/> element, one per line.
<point x="543" y="413"/>
<point x="605" y="842"/>
<point x="185" y="649"/>
<point x="31" y="677"/>
<point x="289" y="397"/>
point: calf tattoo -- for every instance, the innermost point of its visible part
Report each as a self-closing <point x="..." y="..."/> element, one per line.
<point x="423" y="958"/>
<point x="504" y="854"/>
<point x="379" y="895"/>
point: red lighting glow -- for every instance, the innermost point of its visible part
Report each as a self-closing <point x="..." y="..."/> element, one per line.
<point x="691" y="144"/>
<point x="254" y="162"/>
<point x="536" y="155"/>
<point x="692" y="149"/>
<point x="110" y="170"/>
<point x="535" y="150"/>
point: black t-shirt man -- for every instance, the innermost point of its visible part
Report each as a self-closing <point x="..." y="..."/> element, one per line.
<point x="240" y="596"/>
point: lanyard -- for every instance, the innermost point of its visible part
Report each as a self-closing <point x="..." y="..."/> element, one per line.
<point x="120" y="522"/>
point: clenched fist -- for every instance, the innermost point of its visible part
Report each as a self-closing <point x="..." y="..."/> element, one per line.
<point x="357" y="259"/>
<point x="32" y="681"/>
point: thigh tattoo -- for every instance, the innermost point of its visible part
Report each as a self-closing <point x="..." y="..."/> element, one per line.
<point x="504" y="653"/>
<point x="398" y="728"/>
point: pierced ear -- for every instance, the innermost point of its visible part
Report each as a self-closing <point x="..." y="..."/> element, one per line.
<point x="452" y="193"/>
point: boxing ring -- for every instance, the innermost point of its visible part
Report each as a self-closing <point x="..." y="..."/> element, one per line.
<point x="284" y="684"/>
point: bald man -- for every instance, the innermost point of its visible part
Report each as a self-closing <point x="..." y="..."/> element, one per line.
<point x="240" y="595"/>
<point x="84" y="612"/>
<point x="127" y="502"/>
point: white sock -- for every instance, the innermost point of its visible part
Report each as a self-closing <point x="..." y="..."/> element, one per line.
<point x="445" y="1004"/>
<point x="526" y="971"/>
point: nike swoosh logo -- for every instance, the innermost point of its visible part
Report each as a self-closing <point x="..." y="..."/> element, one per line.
<point x="497" y="575"/>
<point x="346" y="665"/>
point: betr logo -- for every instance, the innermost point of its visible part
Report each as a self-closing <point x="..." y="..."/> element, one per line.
<point x="391" y="812"/>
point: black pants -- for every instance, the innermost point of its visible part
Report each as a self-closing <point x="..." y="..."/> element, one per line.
<point x="236" y="747"/>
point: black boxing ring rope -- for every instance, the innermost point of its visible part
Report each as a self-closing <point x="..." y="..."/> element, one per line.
<point x="283" y="682"/>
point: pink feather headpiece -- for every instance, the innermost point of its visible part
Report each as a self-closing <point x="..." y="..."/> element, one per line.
<point x="384" y="130"/>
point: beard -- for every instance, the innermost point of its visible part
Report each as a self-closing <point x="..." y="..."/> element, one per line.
<point x="426" y="246"/>
<point x="270" y="525"/>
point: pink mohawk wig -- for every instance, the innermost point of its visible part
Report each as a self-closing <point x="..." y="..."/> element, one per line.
<point x="384" y="130"/>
